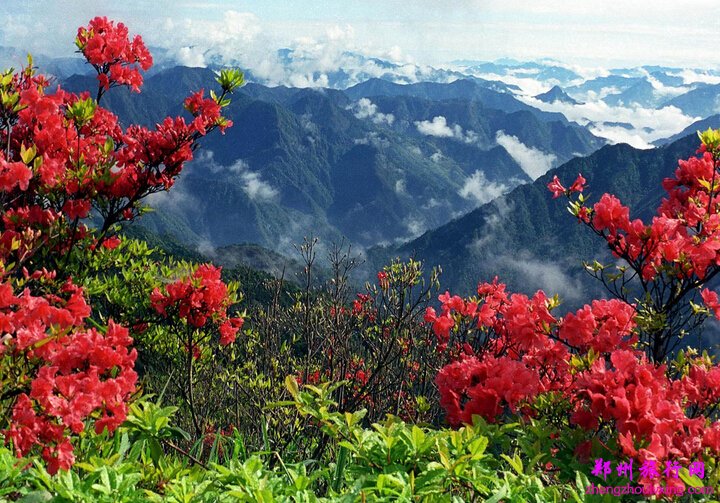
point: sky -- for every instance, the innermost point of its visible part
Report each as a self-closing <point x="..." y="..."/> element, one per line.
<point x="603" y="33"/>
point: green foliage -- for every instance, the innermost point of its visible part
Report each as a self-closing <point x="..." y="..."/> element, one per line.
<point x="389" y="461"/>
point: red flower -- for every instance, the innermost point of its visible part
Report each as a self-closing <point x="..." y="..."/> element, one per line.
<point x="578" y="185"/>
<point x="108" y="48"/>
<point x="111" y="243"/>
<point x="14" y="174"/>
<point x="556" y="187"/>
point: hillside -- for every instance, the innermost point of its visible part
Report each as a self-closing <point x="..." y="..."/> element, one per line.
<point x="301" y="162"/>
<point x="529" y="240"/>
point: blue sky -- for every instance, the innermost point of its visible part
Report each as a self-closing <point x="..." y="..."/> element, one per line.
<point x="605" y="33"/>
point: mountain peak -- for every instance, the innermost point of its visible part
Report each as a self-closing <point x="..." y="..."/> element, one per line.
<point x="556" y="94"/>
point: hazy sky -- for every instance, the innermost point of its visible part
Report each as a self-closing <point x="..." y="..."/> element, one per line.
<point x="597" y="32"/>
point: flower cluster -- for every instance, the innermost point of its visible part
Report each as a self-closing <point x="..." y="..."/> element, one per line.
<point x="114" y="56"/>
<point x="682" y="240"/>
<point x="588" y="358"/>
<point x="80" y="373"/>
<point x="606" y="363"/>
<point x="64" y="158"/>
<point x="67" y="155"/>
<point x="198" y="298"/>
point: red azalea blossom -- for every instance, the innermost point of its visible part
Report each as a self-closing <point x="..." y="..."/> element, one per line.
<point x="556" y="187"/>
<point x="197" y="299"/>
<point x="81" y="372"/>
<point x="64" y="156"/>
<point x="116" y="58"/>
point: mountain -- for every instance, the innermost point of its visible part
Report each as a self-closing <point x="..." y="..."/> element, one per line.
<point x="641" y="93"/>
<point x="529" y="240"/>
<point x="710" y="122"/>
<point x="700" y="102"/>
<point x="547" y="73"/>
<point x="603" y="85"/>
<point x="543" y="71"/>
<point x="556" y="94"/>
<point x="301" y="162"/>
<point x="666" y="76"/>
<point x="464" y="89"/>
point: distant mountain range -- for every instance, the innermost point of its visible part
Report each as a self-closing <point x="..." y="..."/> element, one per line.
<point x="447" y="165"/>
<point x="529" y="240"/>
<point x="375" y="168"/>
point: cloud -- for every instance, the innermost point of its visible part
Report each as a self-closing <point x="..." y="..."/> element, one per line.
<point x="649" y="124"/>
<point x="479" y="188"/>
<point x="374" y="139"/>
<point x="252" y="183"/>
<point x="697" y="76"/>
<point x="366" y="109"/>
<point x="192" y="57"/>
<point x="533" y="162"/>
<point x="439" y="127"/>
<point x="539" y="274"/>
<point x="414" y="226"/>
<point x="492" y="226"/>
<point x="178" y="200"/>
<point x="206" y="247"/>
<point x="257" y="189"/>
<point x="200" y="41"/>
<point x="663" y="92"/>
<point x="533" y="272"/>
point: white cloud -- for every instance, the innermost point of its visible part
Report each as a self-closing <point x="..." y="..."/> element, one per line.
<point x="533" y="162"/>
<point x="414" y="226"/>
<point x="539" y="274"/>
<point x="528" y="86"/>
<point x="238" y="167"/>
<point x="492" y="225"/>
<point x="432" y="203"/>
<point x="206" y="247"/>
<point x="206" y="160"/>
<point x="660" y="90"/>
<point x="694" y="76"/>
<point x="649" y="124"/>
<point x="257" y="189"/>
<point x="192" y="57"/>
<point x="178" y="200"/>
<point x="366" y="109"/>
<point x="479" y="188"/>
<point x="439" y="127"/>
<point x="198" y="41"/>
<point x="252" y="183"/>
<point x="619" y="134"/>
<point x="374" y="139"/>
<point x="400" y="187"/>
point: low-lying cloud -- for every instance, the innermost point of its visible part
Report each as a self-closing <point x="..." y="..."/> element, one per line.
<point x="649" y="124"/>
<point x="538" y="274"/>
<point x="256" y="188"/>
<point x="366" y="109"/>
<point x="533" y="162"/>
<point x="478" y="188"/>
<point x="440" y="128"/>
<point x="253" y="185"/>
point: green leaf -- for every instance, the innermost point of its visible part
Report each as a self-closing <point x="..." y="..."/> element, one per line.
<point x="156" y="450"/>
<point x="515" y="462"/>
<point x="36" y="497"/>
<point x="292" y="386"/>
<point x="693" y="481"/>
